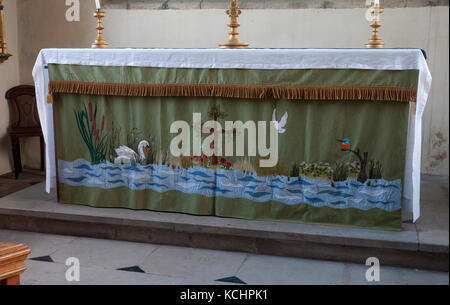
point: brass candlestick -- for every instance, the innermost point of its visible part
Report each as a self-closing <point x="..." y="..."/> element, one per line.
<point x="4" y="55"/>
<point x="100" y="42"/>
<point x="234" y="42"/>
<point x="375" y="41"/>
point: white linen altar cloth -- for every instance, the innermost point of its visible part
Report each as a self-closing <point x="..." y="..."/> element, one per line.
<point x="379" y="59"/>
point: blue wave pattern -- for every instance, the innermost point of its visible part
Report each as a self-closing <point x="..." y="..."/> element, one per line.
<point x="381" y="194"/>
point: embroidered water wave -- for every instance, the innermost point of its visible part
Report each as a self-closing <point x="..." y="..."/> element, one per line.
<point x="380" y="194"/>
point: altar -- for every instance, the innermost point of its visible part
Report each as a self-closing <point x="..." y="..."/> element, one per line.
<point x="330" y="136"/>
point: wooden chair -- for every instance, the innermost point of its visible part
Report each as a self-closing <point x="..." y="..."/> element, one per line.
<point x="24" y="120"/>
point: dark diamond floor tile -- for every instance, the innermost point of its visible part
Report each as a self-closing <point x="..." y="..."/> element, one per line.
<point x="132" y="269"/>
<point x="232" y="279"/>
<point x="47" y="259"/>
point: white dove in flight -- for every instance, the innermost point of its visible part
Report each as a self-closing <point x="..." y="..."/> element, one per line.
<point x="282" y="123"/>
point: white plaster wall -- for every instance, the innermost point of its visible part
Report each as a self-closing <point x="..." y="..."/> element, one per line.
<point x="9" y="77"/>
<point x="42" y="24"/>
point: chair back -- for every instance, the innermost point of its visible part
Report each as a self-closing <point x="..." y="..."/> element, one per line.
<point x="22" y="107"/>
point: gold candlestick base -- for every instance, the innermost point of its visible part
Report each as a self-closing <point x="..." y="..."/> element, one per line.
<point x="233" y="41"/>
<point x="100" y="42"/>
<point x="375" y="41"/>
<point x="4" y="57"/>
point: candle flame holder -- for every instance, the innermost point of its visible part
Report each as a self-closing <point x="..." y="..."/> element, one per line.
<point x="375" y="41"/>
<point x="233" y="41"/>
<point x="100" y="42"/>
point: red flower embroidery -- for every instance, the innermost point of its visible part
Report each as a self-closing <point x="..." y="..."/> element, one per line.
<point x="223" y="160"/>
<point x="229" y="164"/>
<point x="202" y="160"/>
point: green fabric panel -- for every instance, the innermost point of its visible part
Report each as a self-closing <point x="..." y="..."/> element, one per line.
<point x="290" y="77"/>
<point x="312" y="130"/>
<point x="304" y="213"/>
<point x="174" y="201"/>
<point x="123" y="197"/>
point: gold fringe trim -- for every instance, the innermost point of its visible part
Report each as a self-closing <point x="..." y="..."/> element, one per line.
<point x="50" y="98"/>
<point x="365" y="93"/>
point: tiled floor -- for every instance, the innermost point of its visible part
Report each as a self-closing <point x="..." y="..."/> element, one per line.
<point x="101" y="261"/>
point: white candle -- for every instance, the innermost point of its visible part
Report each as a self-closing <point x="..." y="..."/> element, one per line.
<point x="97" y="4"/>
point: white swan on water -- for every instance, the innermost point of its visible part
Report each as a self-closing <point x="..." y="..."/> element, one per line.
<point x="127" y="155"/>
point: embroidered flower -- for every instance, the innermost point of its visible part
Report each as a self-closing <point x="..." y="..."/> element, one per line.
<point x="223" y="160"/>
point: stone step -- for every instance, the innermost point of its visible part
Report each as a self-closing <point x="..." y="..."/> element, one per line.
<point x="34" y="210"/>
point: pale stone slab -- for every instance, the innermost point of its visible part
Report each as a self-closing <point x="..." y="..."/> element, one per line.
<point x="187" y="266"/>
<point x="42" y="273"/>
<point x="432" y="227"/>
<point x="434" y="190"/>
<point x="406" y="239"/>
<point x="40" y="244"/>
<point x="274" y="270"/>
<point x="109" y="254"/>
<point x="201" y="264"/>
<point x="31" y="192"/>
<point x="355" y="274"/>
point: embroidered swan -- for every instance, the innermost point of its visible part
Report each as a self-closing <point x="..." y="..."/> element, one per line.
<point x="282" y="123"/>
<point x="127" y="155"/>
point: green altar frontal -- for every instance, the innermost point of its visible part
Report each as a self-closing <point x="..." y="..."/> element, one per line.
<point x="342" y="139"/>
